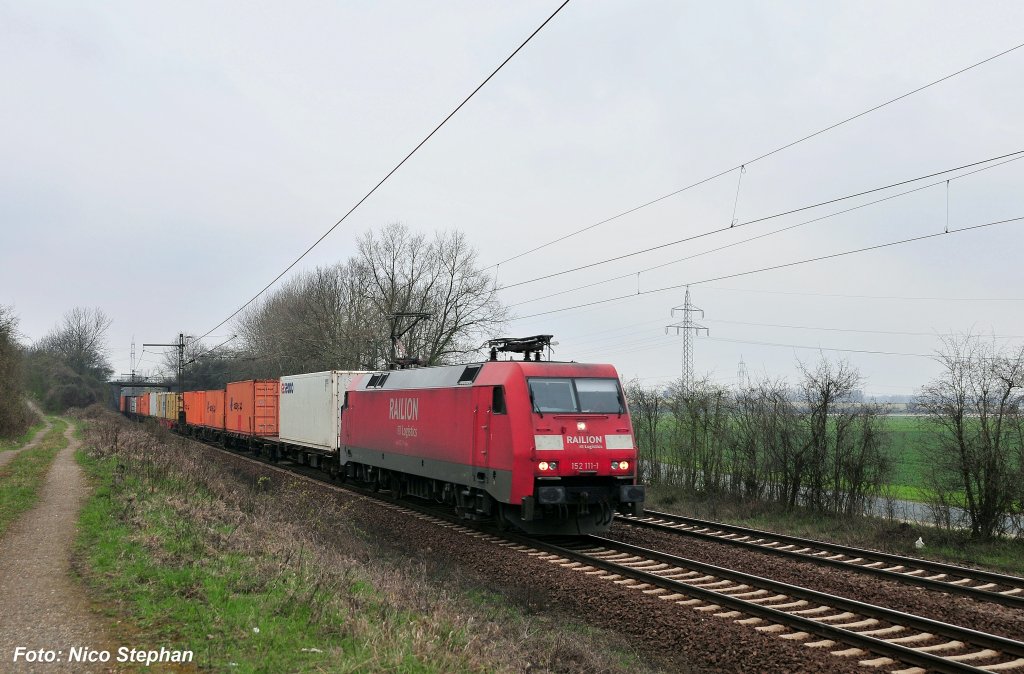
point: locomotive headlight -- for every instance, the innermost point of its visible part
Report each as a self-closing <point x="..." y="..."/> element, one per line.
<point x="543" y="465"/>
<point x="615" y="465"/>
<point x="623" y="465"/>
<point x="581" y="425"/>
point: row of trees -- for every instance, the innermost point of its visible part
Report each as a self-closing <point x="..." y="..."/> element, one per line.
<point x="66" y="368"/>
<point x="69" y="366"/>
<point x="814" y="444"/>
<point x="811" y="446"/>
<point x="15" y="415"/>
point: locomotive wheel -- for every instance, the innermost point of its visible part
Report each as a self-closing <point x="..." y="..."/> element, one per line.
<point x="502" y="516"/>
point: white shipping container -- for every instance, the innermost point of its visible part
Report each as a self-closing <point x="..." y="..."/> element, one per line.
<point x="131" y="404"/>
<point x="154" y="404"/>
<point x="310" y="407"/>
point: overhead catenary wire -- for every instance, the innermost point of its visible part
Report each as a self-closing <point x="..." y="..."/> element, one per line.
<point x="819" y="258"/>
<point x="761" y="236"/>
<point x="908" y="298"/>
<point x="211" y="350"/>
<point x="822" y="348"/>
<point x="755" y="159"/>
<point x="392" y="171"/>
<point x="856" y="330"/>
<point x="1018" y="154"/>
<point x="662" y="345"/>
<point x="633" y="343"/>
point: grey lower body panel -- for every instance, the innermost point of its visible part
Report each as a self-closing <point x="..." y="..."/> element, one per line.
<point x="497" y="483"/>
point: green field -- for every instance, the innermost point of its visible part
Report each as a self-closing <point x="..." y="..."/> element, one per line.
<point x="910" y="440"/>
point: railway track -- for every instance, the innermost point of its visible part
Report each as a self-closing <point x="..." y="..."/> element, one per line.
<point x="879" y="637"/>
<point x="973" y="583"/>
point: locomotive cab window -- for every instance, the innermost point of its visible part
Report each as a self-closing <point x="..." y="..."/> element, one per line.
<point x="553" y="395"/>
<point x="583" y="396"/>
<point x="599" y="395"/>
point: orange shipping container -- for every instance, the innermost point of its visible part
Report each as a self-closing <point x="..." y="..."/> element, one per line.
<point x="142" y="405"/>
<point x="195" y="407"/>
<point x="214" y="415"/>
<point x="252" y="407"/>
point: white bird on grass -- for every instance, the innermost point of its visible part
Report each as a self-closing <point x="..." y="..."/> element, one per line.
<point x="919" y="543"/>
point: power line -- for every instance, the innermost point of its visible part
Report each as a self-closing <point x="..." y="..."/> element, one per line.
<point x="392" y="171"/>
<point x="868" y="297"/>
<point x="777" y="266"/>
<point x="822" y="348"/>
<point x="210" y="350"/>
<point x="769" y="217"/>
<point x="632" y="344"/>
<point x="755" y="159"/>
<point x="759" y="236"/>
<point x="866" y="332"/>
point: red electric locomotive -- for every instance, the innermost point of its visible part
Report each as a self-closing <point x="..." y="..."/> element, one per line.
<point x="542" y="446"/>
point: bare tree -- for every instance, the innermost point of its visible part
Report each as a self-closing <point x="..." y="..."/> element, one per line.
<point x="699" y="433"/>
<point x="764" y="441"/>
<point x="645" y="410"/>
<point x="776" y="425"/>
<point x="340" y="316"/>
<point x="974" y="408"/>
<point x="79" y="341"/>
<point x="408" y="273"/>
<point x="845" y="439"/>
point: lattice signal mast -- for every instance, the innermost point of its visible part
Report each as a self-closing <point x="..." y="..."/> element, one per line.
<point x="688" y="328"/>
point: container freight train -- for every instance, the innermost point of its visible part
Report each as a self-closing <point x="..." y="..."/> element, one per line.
<point x="543" y="447"/>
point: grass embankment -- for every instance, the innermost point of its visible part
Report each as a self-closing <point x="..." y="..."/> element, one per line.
<point x="23" y="439"/>
<point x="269" y="574"/>
<point x="23" y="475"/>
<point x="877" y="533"/>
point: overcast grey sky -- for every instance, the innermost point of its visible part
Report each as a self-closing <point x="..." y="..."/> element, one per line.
<point x="164" y="161"/>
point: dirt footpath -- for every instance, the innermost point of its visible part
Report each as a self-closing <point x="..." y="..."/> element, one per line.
<point x="41" y="606"/>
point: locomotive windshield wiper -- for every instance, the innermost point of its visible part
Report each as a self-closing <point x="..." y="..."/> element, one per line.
<point x="533" y="401"/>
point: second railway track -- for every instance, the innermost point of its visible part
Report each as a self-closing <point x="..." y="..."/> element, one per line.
<point x="878" y="637"/>
<point x="974" y="583"/>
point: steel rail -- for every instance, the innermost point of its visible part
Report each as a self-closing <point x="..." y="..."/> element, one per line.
<point x="900" y="569"/>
